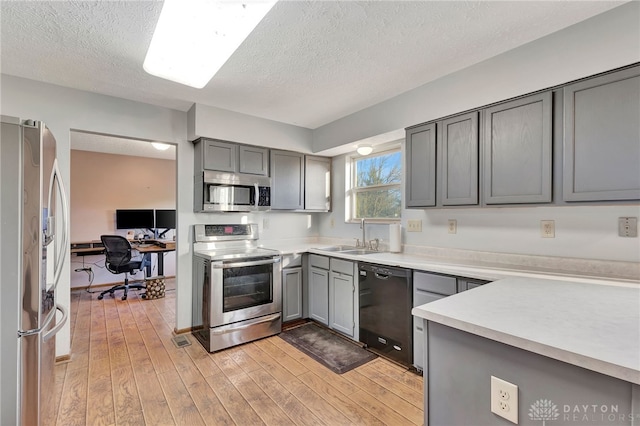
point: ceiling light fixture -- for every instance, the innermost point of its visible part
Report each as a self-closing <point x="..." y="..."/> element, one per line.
<point x="364" y="150"/>
<point x="160" y="146"/>
<point x="193" y="39"/>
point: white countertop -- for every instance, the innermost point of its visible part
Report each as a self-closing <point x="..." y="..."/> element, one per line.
<point x="489" y="271"/>
<point x="596" y="327"/>
<point x="588" y="320"/>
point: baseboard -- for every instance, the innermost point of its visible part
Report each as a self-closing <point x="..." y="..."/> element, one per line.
<point x="63" y="358"/>
<point x="183" y="330"/>
<point x="131" y="281"/>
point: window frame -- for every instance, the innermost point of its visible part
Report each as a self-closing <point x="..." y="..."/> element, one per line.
<point x="351" y="189"/>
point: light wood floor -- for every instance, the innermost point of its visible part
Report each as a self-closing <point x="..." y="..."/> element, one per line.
<point x="124" y="369"/>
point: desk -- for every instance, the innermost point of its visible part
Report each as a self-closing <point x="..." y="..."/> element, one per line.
<point x="95" y="247"/>
<point x="87" y="248"/>
<point x="158" y="250"/>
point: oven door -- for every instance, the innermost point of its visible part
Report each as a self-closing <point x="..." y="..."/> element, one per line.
<point x="242" y="290"/>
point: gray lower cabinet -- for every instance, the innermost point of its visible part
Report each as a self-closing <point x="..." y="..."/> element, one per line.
<point x="287" y="180"/>
<point x="254" y="160"/>
<point x="458" y="144"/>
<point x="427" y="287"/>
<point x="319" y="288"/>
<point x="341" y="297"/>
<point x="292" y="287"/>
<point x="317" y="183"/>
<point x="518" y="151"/>
<point x="459" y="392"/>
<point x="602" y="138"/>
<point x="421" y="166"/>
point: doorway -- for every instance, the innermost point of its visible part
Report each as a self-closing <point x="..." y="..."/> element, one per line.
<point x="110" y="173"/>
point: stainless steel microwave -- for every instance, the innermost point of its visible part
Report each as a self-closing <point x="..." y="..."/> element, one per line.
<point x="232" y="192"/>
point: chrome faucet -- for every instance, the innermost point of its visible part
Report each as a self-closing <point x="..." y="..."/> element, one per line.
<point x="364" y="240"/>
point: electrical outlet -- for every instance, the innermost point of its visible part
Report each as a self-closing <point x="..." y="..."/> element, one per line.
<point x="548" y="228"/>
<point x="504" y="399"/>
<point x="332" y="222"/>
<point x="628" y="227"/>
<point x="414" y="225"/>
<point x="265" y="223"/>
<point x="453" y="226"/>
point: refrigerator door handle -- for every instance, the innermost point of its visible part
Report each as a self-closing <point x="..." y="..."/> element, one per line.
<point x="55" y="177"/>
<point x="59" y="325"/>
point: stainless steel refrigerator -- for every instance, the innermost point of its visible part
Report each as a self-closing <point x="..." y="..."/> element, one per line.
<point x="33" y="244"/>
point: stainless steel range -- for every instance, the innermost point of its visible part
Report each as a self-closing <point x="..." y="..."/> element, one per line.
<point x="237" y="286"/>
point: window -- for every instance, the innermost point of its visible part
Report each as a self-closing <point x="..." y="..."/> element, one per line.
<point x="376" y="186"/>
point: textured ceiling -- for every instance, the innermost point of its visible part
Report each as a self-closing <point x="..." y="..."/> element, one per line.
<point x="308" y="62"/>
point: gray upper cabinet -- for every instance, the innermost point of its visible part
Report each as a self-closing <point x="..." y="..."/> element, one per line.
<point x="287" y="180"/>
<point x="231" y="157"/>
<point x="517" y="151"/>
<point x="254" y="160"/>
<point x="458" y="143"/>
<point x="602" y="138"/>
<point x="317" y="183"/>
<point x="219" y="155"/>
<point x="421" y="166"/>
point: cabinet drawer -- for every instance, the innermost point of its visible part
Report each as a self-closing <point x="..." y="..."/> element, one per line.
<point x="467" y="284"/>
<point x="291" y="260"/>
<point x="342" y="266"/>
<point x="319" y="261"/>
<point x="440" y="284"/>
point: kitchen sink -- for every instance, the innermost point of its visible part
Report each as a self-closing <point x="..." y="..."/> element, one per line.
<point x="337" y="248"/>
<point x="360" y="251"/>
<point x="348" y="250"/>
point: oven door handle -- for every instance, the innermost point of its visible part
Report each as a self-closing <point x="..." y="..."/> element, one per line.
<point x="243" y="264"/>
<point x="246" y="324"/>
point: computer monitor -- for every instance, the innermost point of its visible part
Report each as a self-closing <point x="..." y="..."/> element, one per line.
<point x="165" y="219"/>
<point x="134" y="219"/>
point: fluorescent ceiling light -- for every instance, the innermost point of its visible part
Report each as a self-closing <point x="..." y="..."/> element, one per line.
<point x="364" y="150"/>
<point x="193" y="39"/>
<point x="160" y="146"/>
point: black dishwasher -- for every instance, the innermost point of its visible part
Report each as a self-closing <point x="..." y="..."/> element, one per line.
<point x="385" y="311"/>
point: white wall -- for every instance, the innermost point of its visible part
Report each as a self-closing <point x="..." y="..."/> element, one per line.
<point x="65" y="109"/>
<point x="599" y="44"/>
<point x="589" y="232"/>
<point x="232" y="126"/>
<point x="604" y="42"/>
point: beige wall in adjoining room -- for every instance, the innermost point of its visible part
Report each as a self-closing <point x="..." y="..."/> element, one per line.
<point x="101" y="183"/>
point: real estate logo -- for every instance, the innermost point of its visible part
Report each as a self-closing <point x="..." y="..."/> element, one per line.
<point x="544" y="409"/>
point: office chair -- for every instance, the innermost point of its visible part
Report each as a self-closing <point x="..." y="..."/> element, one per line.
<point x="119" y="261"/>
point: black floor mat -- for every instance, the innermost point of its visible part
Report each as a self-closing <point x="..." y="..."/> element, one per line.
<point x="335" y="352"/>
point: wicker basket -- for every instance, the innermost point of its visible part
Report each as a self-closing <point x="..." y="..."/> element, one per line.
<point x="155" y="288"/>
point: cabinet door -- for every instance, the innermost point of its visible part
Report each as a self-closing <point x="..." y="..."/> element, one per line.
<point x="254" y="160"/>
<point x="317" y="183"/>
<point x="287" y="180"/>
<point x="220" y="156"/>
<point x="319" y="295"/>
<point x="341" y="294"/>
<point x="517" y="151"/>
<point x="465" y="284"/>
<point x="459" y="160"/>
<point x="420" y="297"/>
<point x="421" y="166"/>
<point x="291" y="294"/>
<point x="602" y="138"/>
